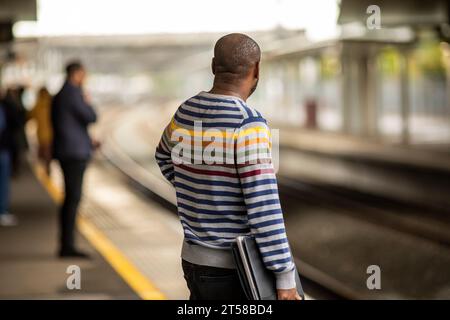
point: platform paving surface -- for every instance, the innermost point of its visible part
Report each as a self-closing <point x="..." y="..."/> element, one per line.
<point x="29" y="268"/>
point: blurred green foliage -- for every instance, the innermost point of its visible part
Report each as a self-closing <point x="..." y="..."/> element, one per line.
<point x="429" y="58"/>
<point x="389" y="61"/>
<point x="330" y="65"/>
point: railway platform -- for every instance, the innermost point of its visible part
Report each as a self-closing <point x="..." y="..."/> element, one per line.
<point x="30" y="268"/>
<point x="133" y="247"/>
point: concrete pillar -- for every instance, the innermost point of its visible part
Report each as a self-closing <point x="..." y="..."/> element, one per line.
<point x="372" y="112"/>
<point x="404" y="94"/>
<point x="346" y="92"/>
<point x="354" y="91"/>
<point x="292" y="83"/>
<point x="362" y="113"/>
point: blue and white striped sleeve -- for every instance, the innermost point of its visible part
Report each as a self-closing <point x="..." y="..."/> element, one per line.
<point x="163" y="155"/>
<point x="260" y="190"/>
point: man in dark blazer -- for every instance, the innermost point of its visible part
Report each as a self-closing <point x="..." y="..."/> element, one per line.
<point x="71" y="115"/>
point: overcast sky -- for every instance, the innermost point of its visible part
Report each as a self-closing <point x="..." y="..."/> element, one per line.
<point x="89" y="17"/>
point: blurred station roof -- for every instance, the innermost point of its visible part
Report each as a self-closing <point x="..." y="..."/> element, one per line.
<point x="15" y="10"/>
<point x="12" y="11"/>
<point x="399" y="12"/>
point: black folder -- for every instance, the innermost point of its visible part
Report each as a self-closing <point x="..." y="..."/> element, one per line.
<point x="257" y="281"/>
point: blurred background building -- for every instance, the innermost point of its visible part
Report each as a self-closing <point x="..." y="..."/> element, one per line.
<point x="401" y="70"/>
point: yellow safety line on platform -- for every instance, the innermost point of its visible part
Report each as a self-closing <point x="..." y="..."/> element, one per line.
<point x="130" y="274"/>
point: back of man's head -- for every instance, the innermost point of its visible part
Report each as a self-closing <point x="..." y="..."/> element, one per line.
<point x="73" y="67"/>
<point x="75" y="72"/>
<point x="235" y="55"/>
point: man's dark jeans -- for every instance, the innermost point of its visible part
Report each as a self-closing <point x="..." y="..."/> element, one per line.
<point x="73" y="171"/>
<point x="211" y="283"/>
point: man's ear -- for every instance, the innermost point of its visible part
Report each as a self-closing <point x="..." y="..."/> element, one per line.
<point x="256" y="71"/>
<point x="213" y="68"/>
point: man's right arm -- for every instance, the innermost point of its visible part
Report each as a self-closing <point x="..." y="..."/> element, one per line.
<point x="82" y="110"/>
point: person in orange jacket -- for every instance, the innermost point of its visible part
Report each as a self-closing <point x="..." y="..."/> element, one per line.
<point x="41" y="114"/>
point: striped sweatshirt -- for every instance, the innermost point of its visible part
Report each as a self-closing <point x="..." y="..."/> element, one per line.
<point x="216" y="153"/>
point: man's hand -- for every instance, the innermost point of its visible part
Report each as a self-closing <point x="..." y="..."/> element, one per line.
<point x="87" y="97"/>
<point x="288" y="294"/>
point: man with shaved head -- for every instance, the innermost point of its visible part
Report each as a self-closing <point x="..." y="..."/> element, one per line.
<point x="216" y="153"/>
<point x="236" y="65"/>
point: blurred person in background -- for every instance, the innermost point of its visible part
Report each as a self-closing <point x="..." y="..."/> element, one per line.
<point x="9" y="123"/>
<point x="13" y="100"/>
<point x="41" y="114"/>
<point x="71" y="114"/>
